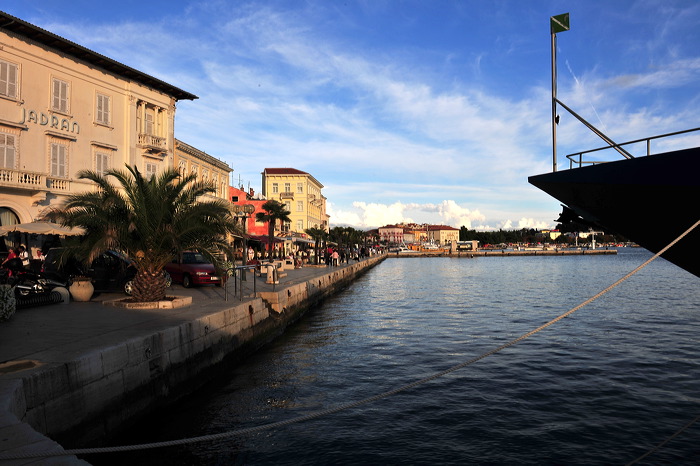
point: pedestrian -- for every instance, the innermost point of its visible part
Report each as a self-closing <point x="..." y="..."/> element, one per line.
<point x="24" y="255"/>
<point x="335" y="257"/>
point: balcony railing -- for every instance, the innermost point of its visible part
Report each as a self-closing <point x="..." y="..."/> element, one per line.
<point x="287" y="195"/>
<point x="33" y="181"/>
<point x="151" y="142"/>
<point x="22" y="179"/>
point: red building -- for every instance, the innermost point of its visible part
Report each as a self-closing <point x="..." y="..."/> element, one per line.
<point x="242" y="198"/>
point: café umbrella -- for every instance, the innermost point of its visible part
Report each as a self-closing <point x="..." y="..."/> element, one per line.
<point x="41" y="228"/>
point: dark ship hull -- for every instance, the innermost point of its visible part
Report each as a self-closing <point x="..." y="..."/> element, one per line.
<point x="650" y="200"/>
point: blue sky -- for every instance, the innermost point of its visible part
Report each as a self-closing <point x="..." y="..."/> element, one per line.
<point x="425" y="111"/>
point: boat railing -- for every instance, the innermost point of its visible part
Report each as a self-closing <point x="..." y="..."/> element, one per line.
<point x="577" y="158"/>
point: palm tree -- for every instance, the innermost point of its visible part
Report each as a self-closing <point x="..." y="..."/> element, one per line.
<point x="274" y="211"/>
<point x="318" y="235"/>
<point x="150" y="220"/>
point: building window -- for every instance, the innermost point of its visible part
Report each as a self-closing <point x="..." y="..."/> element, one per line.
<point x="103" y="110"/>
<point x="275" y="188"/>
<point x="8" y="79"/>
<point x="151" y="170"/>
<point x="182" y="167"/>
<point x="234" y="198"/>
<point x="8" y="151"/>
<point x="149" y="127"/>
<point x="300" y="225"/>
<point x="288" y="206"/>
<point x="300" y="188"/>
<point x="59" y="160"/>
<point x="194" y="169"/>
<point x="300" y="206"/>
<point x="287" y="187"/>
<point x="60" y="98"/>
<point x="101" y="162"/>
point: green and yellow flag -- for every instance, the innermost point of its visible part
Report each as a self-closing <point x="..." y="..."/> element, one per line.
<point x="559" y="23"/>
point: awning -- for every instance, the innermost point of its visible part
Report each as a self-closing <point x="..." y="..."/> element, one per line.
<point x="300" y="240"/>
<point x="264" y="239"/>
<point x="41" y="228"/>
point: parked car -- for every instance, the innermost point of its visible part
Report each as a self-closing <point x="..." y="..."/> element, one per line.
<point x="194" y="269"/>
<point x="111" y="271"/>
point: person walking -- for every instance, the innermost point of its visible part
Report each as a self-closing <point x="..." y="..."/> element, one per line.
<point x="335" y="257"/>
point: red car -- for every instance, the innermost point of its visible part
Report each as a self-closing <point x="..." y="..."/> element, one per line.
<point x="194" y="269"/>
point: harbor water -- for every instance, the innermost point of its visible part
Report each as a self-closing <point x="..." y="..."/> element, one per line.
<point x="602" y="386"/>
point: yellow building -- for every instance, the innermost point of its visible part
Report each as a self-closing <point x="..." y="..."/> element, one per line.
<point x="64" y="108"/>
<point x="442" y="234"/>
<point x="189" y="159"/>
<point x="301" y="193"/>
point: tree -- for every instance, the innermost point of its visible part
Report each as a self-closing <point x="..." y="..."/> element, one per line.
<point x="150" y="220"/>
<point x="318" y="235"/>
<point x="274" y="211"/>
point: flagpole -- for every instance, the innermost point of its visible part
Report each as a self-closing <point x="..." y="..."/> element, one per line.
<point x="554" y="101"/>
<point x="557" y="23"/>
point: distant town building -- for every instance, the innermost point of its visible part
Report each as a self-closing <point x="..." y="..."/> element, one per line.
<point x="442" y="234"/>
<point x="391" y="234"/>
<point x="301" y="193"/>
<point x="64" y="108"/>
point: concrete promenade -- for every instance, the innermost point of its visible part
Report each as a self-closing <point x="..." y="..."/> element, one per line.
<point x="66" y="352"/>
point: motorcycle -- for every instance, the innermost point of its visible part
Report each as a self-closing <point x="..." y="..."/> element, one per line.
<point x="27" y="283"/>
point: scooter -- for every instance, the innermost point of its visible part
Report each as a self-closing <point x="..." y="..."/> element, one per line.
<point x="27" y="283"/>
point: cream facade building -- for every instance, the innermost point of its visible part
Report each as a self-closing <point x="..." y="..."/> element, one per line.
<point x="301" y="193"/>
<point x="190" y="160"/>
<point x="64" y="108"/>
<point x="442" y="234"/>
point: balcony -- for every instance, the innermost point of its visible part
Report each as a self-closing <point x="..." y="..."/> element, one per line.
<point x="287" y="195"/>
<point x="37" y="183"/>
<point x="153" y="144"/>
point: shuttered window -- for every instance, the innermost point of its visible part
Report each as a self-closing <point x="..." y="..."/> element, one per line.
<point x="59" y="160"/>
<point x="8" y="79"/>
<point x="102" y="112"/>
<point x="101" y="162"/>
<point x="7" y="151"/>
<point x="60" y="96"/>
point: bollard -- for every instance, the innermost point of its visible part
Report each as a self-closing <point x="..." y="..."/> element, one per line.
<point x="271" y="275"/>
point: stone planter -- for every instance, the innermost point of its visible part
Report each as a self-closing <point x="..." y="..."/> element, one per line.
<point x="81" y="290"/>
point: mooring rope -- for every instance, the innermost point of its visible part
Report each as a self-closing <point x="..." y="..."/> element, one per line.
<point x="346" y="406"/>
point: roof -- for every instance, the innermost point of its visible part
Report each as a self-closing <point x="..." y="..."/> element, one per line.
<point x="284" y="171"/>
<point x="289" y="171"/>
<point x="201" y="155"/>
<point x="440" y="227"/>
<point x="20" y="27"/>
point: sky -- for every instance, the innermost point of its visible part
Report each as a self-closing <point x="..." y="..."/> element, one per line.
<point x="425" y="111"/>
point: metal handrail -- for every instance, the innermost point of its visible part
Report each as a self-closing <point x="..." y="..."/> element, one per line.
<point x="238" y="271"/>
<point x="580" y="162"/>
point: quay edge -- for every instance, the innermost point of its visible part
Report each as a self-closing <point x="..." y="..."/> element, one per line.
<point x="101" y="392"/>
<point x="508" y="253"/>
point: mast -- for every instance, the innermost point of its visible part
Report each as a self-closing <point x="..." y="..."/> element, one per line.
<point x="557" y="24"/>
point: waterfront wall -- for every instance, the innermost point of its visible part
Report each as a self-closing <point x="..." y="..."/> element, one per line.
<point x="103" y="392"/>
<point x="506" y="253"/>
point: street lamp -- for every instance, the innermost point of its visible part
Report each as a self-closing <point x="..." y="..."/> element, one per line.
<point x="243" y="211"/>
